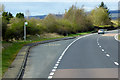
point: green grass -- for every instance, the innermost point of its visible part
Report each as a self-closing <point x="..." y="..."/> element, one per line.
<point x="105" y="26"/>
<point x="11" y="49"/>
<point x="78" y="34"/>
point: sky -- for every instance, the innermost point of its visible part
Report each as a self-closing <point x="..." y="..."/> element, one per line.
<point x="40" y="7"/>
<point x="58" y="0"/>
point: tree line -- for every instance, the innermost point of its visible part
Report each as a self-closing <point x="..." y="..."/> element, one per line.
<point x="75" y="20"/>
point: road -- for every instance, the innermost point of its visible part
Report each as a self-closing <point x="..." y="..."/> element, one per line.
<point x="91" y="56"/>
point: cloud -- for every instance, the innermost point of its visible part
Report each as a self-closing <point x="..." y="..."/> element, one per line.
<point x="58" y="0"/>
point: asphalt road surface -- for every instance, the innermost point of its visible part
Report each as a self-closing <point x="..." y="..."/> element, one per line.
<point x="91" y="56"/>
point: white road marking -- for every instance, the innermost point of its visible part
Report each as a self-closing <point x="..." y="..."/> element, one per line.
<point x="116" y="63"/>
<point x="52" y="73"/>
<point x="116" y="37"/>
<point x="62" y="54"/>
<point x="107" y="55"/>
<point x="60" y="57"/>
<point x="56" y="65"/>
<point x="50" y="77"/>
<point x="53" y="70"/>
<point x="58" y="62"/>
<point x="103" y="50"/>
<point x="99" y="46"/>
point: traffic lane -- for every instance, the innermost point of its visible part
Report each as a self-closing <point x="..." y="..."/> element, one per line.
<point x="85" y="53"/>
<point x="42" y="58"/>
<point x="84" y="59"/>
<point x="110" y="45"/>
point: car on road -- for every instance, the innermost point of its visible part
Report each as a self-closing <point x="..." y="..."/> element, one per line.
<point x="101" y="31"/>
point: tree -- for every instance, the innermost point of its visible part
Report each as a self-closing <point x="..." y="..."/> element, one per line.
<point x="20" y="15"/>
<point x="51" y="23"/>
<point x="103" y="5"/>
<point x="79" y="19"/>
<point x="100" y="16"/>
<point x="16" y="29"/>
<point x="4" y="28"/>
<point x="7" y="16"/>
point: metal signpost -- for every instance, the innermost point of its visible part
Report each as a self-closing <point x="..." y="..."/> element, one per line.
<point x="25" y="24"/>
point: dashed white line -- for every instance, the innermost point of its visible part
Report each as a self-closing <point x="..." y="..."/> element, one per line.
<point x="103" y="50"/>
<point x="116" y="63"/>
<point x="58" y="62"/>
<point x="53" y="70"/>
<point x="107" y="55"/>
<point x="52" y="73"/>
<point x="50" y="77"/>
<point x="60" y="57"/>
<point x="56" y="65"/>
<point x="99" y="46"/>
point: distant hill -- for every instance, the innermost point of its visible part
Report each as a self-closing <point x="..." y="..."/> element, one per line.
<point x="114" y="15"/>
<point x="43" y="16"/>
<point x="114" y="11"/>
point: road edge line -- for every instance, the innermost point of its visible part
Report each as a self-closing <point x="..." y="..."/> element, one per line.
<point x="116" y="37"/>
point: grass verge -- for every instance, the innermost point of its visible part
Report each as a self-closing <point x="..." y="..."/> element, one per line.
<point x="10" y="49"/>
<point x="119" y="37"/>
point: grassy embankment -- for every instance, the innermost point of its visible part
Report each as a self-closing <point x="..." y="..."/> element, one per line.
<point x="119" y="36"/>
<point x="10" y="49"/>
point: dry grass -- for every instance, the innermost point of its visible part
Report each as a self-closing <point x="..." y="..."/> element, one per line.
<point x="50" y="35"/>
<point x="119" y="36"/>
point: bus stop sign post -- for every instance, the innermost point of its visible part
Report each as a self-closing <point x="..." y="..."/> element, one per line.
<point x="25" y="24"/>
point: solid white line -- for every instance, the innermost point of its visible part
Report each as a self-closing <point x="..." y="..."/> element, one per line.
<point x="116" y="37"/>
<point x="116" y="63"/>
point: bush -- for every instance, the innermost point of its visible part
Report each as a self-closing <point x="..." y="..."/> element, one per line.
<point x="79" y="19"/>
<point x="16" y="29"/>
<point x="64" y="27"/>
<point x="51" y="23"/>
<point x="102" y="17"/>
<point x="35" y="27"/>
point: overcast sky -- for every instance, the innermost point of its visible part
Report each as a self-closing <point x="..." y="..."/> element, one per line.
<point x="44" y="7"/>
<point x="59" y="0"/>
